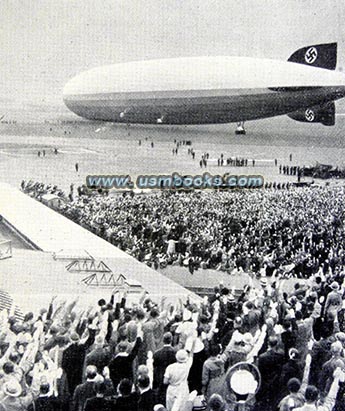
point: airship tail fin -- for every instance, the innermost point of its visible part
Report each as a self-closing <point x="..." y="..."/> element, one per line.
<point x="324" y="114"/>
<point x="319" y="55"/>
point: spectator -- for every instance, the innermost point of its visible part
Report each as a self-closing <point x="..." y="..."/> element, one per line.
<point x="99" y="402"/>
<point x="121" y="366"/>
<point x="73" y="358"/>
<point x="44" y="402"/>
<point x="146" y="399"/>
<point x="161" y="359"/>
<point x="176" y="376"/>
<point x="13" y="398"/>
<point x="85" y="390"/>
<point x="126" y="401"/>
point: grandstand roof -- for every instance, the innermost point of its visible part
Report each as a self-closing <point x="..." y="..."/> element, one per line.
<point x="39" y="275"/>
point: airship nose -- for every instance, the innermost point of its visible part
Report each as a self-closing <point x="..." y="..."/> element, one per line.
<point x="88" y="82"/>
<point x="79" y="92"/>
<point x="72" y="87"/>
<point x="71" y="94"/>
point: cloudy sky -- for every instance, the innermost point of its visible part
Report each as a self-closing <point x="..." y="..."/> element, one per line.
<point x="43" y="43"/>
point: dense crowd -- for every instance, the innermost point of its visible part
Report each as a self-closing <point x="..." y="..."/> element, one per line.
<point x="181" y="357"/>
<point x="38" y="189"/>
<point x="148" y="356"/>
<point x="298" y="231"/>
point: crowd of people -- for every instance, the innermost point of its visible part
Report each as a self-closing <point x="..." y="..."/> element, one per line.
<point x="291" y="170"/>
<point x="184" y="356"/>
<point x="236" y="161"/>
<point x="181" y="356"/>
<point x="38" y="189"/>
<point x="322" y="171"/>
<point x="297" y="231"/>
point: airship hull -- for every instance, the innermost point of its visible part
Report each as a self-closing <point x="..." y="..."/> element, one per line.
<point x="200" y="90"/>
<point x="233" y="107"/>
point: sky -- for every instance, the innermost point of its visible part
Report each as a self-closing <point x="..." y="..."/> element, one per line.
<point x="43" y="43"/>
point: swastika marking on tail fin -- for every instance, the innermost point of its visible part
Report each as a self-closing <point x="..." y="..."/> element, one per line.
<point x="309" y="115"/>
<point x="310" y="55"/>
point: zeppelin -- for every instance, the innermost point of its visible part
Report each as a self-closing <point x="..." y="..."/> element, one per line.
<point x="206" y="90"/>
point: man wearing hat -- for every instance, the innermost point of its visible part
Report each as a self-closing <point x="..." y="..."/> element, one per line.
<point x="266" y="289"/>
<point x="334" y="301"/>
<point x="12" y="399"/>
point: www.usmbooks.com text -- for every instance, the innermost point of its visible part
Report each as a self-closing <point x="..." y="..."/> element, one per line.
<point x="174" y="181"/>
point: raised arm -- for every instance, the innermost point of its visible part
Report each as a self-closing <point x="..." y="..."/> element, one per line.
<point x="306" y="371"/>
<point x="91" y="338"/>
<point x="339" y="376"/>
<point x="258" y="345"/>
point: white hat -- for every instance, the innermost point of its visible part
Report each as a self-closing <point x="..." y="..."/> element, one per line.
<point x="263" y="281"/>
<point x="231" y="297"/>
<point x="335" y="286"/>
<point x="12" y="388"/>
<point x="181" y="356"/>
<point x="336" y="347"/>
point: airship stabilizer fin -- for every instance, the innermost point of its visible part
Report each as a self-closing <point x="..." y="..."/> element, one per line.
<point x="324" y="114"/>
<point x="319" y="55"/>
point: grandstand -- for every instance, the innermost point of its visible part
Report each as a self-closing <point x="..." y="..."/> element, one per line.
<point x="54" y="236"/>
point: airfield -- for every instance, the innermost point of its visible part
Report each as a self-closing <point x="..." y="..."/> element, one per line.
<point x="107" y="148"/>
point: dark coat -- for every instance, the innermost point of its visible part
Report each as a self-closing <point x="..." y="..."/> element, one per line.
<point x="129" y="403"/>
<point x="291" y="369"/>
<point x="161" y="359"/>
<point x="45" y="404"/>
<point x="73" y="361"/>
<point x="195" y="372"/>
<point x="146" y="401"/>
<point x="289" y="340"/>
<point x="270" y="365"/>
<point x="121" y="366"/>
<point x="99" y="357"/>
<point x="321" y="353"/>
<point x="82" y="393"/>
<point x="98" y="404"/>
